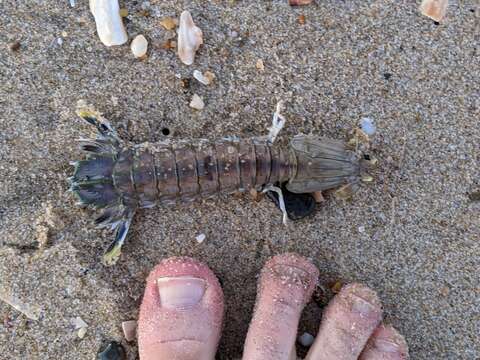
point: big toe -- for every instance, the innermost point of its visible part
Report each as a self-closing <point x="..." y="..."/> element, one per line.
<point x="181" y="313"/>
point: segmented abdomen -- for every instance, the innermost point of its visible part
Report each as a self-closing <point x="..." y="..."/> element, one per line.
<point x="161" y="173"/>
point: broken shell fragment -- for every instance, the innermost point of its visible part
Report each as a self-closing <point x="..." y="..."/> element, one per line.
<point x="139" y="46"/>
<point x="368" y="126"/>
<point x="200" y="238"/>
<point x="197" y="102"/>
<point x="129" y="329"/>
<point x="259" y="65"/>
<point x="168" y="23"/>
<point x="109" y="23"/>
<point x="210" y="76"/>
<point x="78" y="322"/>
<point x="82" y="332"/>
<point x="190" y="38"/>
<point x="205" y="79"/>
<point x="298" y="2"/>
<point x="434" y="9"/>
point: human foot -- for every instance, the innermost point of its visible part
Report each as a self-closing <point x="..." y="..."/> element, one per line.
<point x="182" y="310"/>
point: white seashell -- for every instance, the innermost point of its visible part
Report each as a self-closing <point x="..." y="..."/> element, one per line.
<point x="78" y="322"/>
<point x="200" y="238"/>
<point x="82" y="332"/>
<point x="139" y="46"/>
<point x="109" y="23"/>
<point x="190" y="38"/>
<point x="434" y="9"/>
<point x="204" y="79"/>
<point x="197" y="102"/>
<point x="368" y="126"/>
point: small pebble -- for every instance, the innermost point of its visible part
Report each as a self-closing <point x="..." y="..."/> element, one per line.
<point x="185" y="83"/>
<point x="60" y="41"/>
<point x="210" y="76"/>
<point x="197" y="102"/>
<point x="361" y="229"/>
<point x="205" y="79"/>
<point x="445" y="291"/>
<point x="200" y="238"/>
<point x="129" y="329"/>
<point x="139" y="46"/>
<point x="168" y="23"/>
<point x="306" y="339"/>
<point x="260" y="65"/>
<point x="368" y="126"/>
<point x="113" y="351"/>
<point x="474" y="196"/>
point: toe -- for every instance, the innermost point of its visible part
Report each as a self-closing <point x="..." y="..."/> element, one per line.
<point x="347" y="323"/>
<point x="181" y="313"/>
<point x="286" y="285"/>
<point x="386" y="343"/>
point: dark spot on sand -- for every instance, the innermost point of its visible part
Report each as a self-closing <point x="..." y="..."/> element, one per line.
<point x="113" y="351"/>
<point x="14" y="46"/>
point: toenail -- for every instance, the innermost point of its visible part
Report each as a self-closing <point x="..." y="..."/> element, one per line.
<point x="362" y="299"/>
<point x="180" y="292"/>
<point x="292" y="274"/>
<point x="387" y="346"/>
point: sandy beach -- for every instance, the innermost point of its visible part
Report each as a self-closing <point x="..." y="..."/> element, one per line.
<point x="413" y="234"/>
